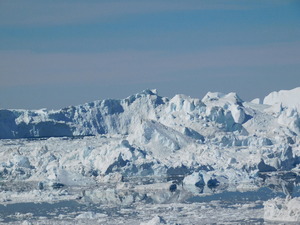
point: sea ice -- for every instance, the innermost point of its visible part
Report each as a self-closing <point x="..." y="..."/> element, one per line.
<point x="280" y="209"/>
<point x="185" y="145"/>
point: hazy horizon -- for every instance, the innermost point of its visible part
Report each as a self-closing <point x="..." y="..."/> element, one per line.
<point x="59" y="53"/>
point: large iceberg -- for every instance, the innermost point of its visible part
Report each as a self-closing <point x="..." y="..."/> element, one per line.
<point x="190" y="145"/>
<point x="146" y="134"/>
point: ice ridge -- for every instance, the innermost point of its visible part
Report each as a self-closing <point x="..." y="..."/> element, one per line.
<point x="220" y="136"/>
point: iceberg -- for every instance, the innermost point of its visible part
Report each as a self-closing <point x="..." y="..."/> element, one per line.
<point x="184" y="145"/>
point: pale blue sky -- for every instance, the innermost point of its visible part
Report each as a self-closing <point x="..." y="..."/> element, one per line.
<point x="67" y="52"/>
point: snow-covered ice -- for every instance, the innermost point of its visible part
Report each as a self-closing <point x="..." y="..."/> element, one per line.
<point x="181" y="147"/>
<point x="280" y="209"/>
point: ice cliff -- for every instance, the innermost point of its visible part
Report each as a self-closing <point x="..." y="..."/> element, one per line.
<point x="221" y="112"/>
<point x="220" y="136"/>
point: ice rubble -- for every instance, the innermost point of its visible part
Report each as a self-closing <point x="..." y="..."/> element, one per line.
<point x="157" y="220"/>
<point x="280" y="209"/>
<point x="219" y="139"/>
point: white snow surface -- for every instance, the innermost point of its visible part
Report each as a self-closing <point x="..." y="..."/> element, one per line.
<point x="285" y="106"/>
<point x="157" y="220"/>
<point x="285" y="98"/>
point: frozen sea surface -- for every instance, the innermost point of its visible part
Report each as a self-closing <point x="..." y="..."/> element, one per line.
<point x="141" y="200"/>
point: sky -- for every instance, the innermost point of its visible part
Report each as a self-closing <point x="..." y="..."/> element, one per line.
<point x="67" y="52"/>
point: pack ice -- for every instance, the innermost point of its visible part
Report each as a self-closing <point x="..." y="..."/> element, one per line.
<point x="219" y="139"/>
